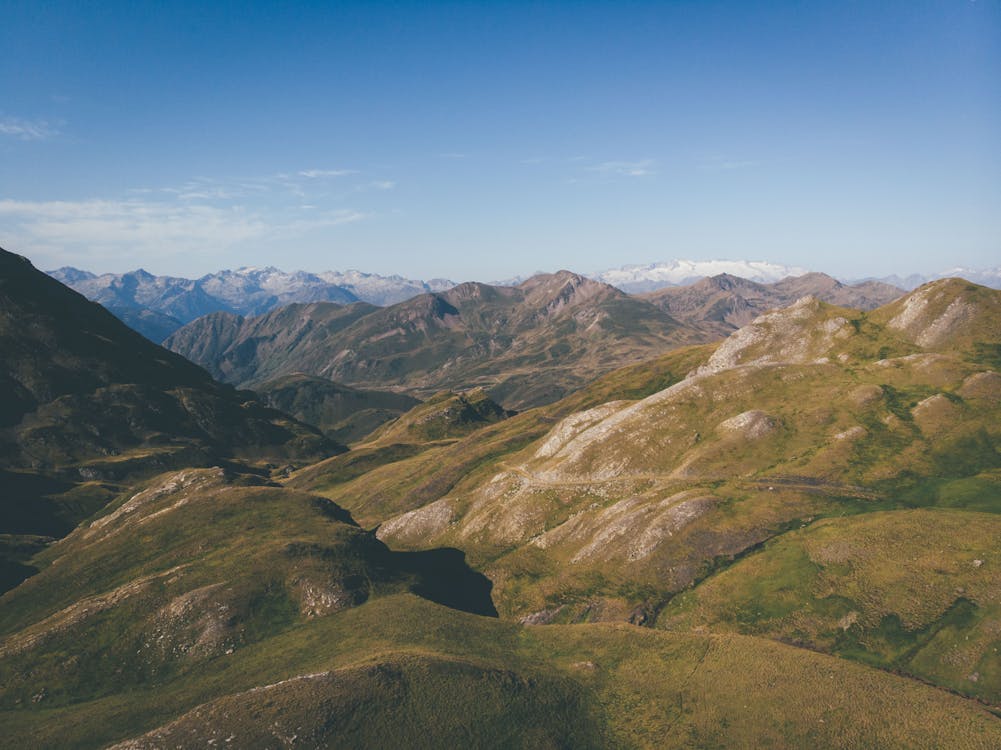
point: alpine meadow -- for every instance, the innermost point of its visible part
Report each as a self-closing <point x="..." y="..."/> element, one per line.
<point x="476" y="375"/>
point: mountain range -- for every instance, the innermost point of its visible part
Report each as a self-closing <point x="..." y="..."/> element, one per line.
<point x="526" y="345"/>
<point x="721" y="304"/>
<point x="775" y="532"/>
<point x="637" y="279"/>
<point x="158" y="305"/>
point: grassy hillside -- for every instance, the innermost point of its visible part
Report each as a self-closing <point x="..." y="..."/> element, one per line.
<point x="812" y="412"/>
<point x="345" y="414"/>
<point x="399" y="670"/>
<point x="400" y="470"/>
<point x="918" y="591"/>
<point x="90" y="405"/>
<point x="807" y="512"/>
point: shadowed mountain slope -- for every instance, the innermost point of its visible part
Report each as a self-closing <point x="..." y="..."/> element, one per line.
<point x="345" y="414"/>
<point x="82" y="386"/>
<point x="153" y="325"/>
<point x="526" y="345"/>
<point x="88" y="401"/>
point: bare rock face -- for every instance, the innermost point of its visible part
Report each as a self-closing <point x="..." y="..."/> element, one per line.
<point x="929" y="326"/>
<point x="628" y="531"/>
<point x="950" y="313"/>
<point x="751" y="425"/>
<point x="802" y="333"/>
<point x="573" y="425"/>
<point x="982" y="385"/>
<point x="418" y="525"/>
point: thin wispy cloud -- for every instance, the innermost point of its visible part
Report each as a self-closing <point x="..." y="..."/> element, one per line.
<point x="136" y="226"/>
<point x="294" y="187"/>
<point x="642" y="168"/>
<point x="317" y="173"/>
<point x="720" y="163"/>
<point x="27" y="130"/>
<point x="203" y="215"/>
<point x="95" y="231"/>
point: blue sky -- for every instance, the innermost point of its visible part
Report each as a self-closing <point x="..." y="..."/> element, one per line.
<point x="485" y="140"/>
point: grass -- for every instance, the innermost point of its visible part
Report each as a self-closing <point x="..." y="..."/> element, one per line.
<point x="915" y="591"/>
<point x="408" y="672"/>
<point x="848" y="547"/>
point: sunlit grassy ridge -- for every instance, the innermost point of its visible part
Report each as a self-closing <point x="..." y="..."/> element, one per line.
<point x="400" y="670"/>
<point x="810" y="412"/>
<point x="193" y="566"/>
<point x="914" y="590"/>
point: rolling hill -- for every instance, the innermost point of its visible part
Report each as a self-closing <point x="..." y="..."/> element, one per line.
<point x="659" y="478"/>
<point x="206" y="608"/>
<point x="802" y="517"/>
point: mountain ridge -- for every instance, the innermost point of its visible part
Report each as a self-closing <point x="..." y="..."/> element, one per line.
<point x="247" y="290"/>
<point x="89" y="403"/>
<point x="525" y="344"/>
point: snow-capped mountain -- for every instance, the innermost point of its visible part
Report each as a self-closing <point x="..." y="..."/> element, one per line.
<point x="636" y="279"/>
<point x="245" y="291"/>
<point x="183" y="299"/>
<point x="253" y="291"/>
<point x="383" y="290"/>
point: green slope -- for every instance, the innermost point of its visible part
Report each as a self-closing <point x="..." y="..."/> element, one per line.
<point x="345" y="414"/>
<point x="402" y="671"/>
<point x="90" y="405"/>
<point x="917" y="591"/>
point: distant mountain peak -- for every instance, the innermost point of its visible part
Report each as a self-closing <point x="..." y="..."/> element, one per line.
<point x="636" y="279"/>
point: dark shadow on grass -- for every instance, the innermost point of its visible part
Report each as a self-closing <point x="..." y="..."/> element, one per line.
<point x="12" y="573"/>
<point x="444" y="577"/>
<point x="25" y="507"/>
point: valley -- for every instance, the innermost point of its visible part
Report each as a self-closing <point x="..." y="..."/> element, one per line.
<point x="732" y="513"/>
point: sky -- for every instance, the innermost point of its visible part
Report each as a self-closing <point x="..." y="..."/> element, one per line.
<point x="486" y="140"/>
